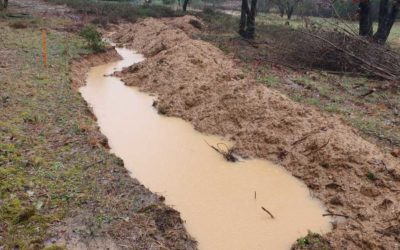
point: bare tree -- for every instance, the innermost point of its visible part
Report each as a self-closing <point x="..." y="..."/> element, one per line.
<point x="388" y="11"/>
<point x="248" y="19"/>
<point x="4" y="4"/>
<point x="286" y="6"/>
<point x="365" y="18"/>
<point x="185" y="4"/>
<point x="387" y="17"/>
<point x="264" y="5"/>
<point x="281" y="7"/>
<point x="291" y="5"/>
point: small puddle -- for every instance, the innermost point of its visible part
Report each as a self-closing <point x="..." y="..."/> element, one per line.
<point x="216" y="198"/>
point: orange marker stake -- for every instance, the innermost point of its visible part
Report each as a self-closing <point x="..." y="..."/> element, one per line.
<point x="44" y="43"/>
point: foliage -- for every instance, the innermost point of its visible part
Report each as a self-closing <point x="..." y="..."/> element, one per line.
<point x="312" y="241"/>
<point x="270" y="81"/>
<point x="93" y="38"/>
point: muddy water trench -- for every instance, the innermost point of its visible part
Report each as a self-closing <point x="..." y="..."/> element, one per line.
<point x="220" y="201"/>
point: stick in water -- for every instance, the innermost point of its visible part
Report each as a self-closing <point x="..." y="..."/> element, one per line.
<point x="263" y="208"/>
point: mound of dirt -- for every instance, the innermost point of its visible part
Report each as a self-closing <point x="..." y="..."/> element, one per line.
<point x="189" y="24"/>
<point x="160" y="34"/>
<point x="199" y="83"/>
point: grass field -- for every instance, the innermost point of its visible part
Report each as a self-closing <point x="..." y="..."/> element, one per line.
<point x="40" y="157"/>
<point x="54" y="163"/>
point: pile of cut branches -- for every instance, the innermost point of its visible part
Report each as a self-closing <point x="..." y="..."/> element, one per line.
<point x="337" y="52"/>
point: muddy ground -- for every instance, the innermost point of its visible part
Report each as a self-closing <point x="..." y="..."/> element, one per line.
<point x="59" y="185"/>
<point x="198" y="82"/>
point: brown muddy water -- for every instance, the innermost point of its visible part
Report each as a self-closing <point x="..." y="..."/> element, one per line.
<point x="220" y="201"/>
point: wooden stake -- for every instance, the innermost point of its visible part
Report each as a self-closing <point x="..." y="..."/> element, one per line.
<point x="44" y="44"/>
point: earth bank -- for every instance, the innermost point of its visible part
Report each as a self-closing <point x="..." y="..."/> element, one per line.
<point x="199" y="83"/>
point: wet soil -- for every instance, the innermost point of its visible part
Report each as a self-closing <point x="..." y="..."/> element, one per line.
<point x="199" y="83"/>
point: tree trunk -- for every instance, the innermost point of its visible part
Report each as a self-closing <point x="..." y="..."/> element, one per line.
<point x="251" y="20"/>
<point x="185" y="3"/>
<point x="290" y="12"/>
<point x="247" y="19"/>
<point x="365" y="21"/>
<point x="3" y="4"/>
<point x="393" y="17"/>
<point x="281" y="10"/>
<point x="243" y="18"/>
<point x="386" y="20"/>
<point x="383" y="20"/>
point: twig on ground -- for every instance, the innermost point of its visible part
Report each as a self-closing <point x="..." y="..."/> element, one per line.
<point x="345" y="216"/>
<point x="319" y="148"/>
<point x="368" y="93"/>
<point x="308" y="135"/>
<point x="91" y="164"/>
<point x="340" y="215"/>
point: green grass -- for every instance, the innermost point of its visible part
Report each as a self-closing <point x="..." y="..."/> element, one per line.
<point x="54" y="164"/>
<point x="270" y="81"/>
<point x="41" y="126"/>
<point x="311" y="241"/>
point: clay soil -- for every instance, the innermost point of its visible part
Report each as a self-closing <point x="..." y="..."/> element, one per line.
<point x="201" y="84"/>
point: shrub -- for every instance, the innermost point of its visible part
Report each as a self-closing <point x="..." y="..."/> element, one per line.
<point x="93" y="38"/>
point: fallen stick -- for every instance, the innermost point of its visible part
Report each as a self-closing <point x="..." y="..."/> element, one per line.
<point x="340" y="215"/>
<point x="345" y="216"/>
<point x="263" y="208"/>
<point x="228" y="155"/>
<point x="316" y="150"/>
<point x="368" y="93"/>
<point x="94" y="163"/>
<point x="308" y="135"/>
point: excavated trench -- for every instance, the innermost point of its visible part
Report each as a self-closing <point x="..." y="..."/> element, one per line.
<point x="221" y="202"/>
